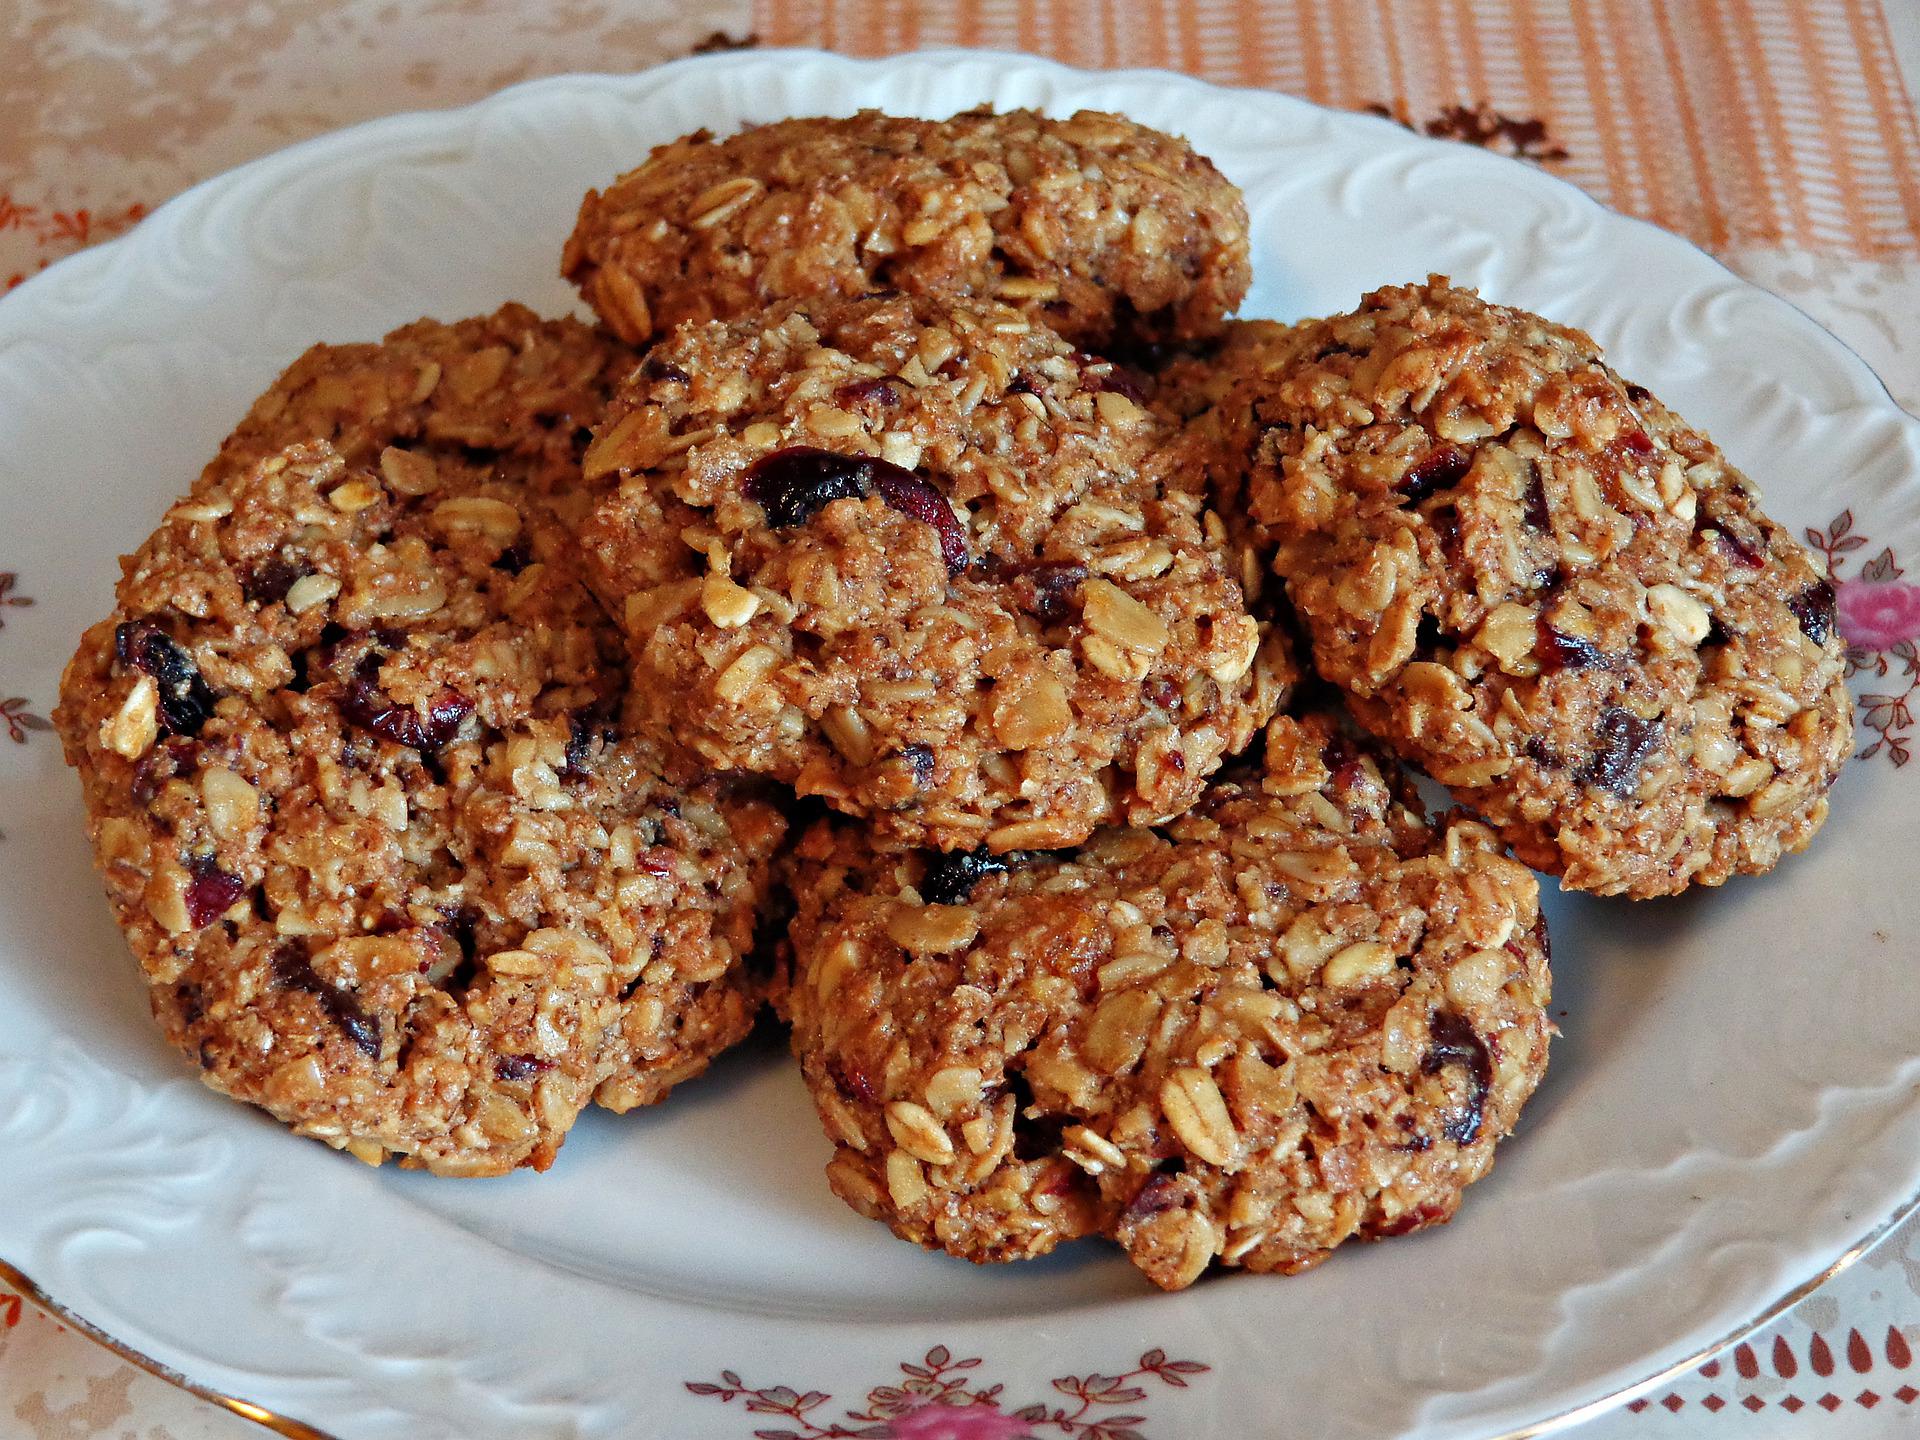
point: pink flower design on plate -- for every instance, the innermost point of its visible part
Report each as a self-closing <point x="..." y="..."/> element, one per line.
<point x="957" y="1422"/>
<point x="1878" y="614"/>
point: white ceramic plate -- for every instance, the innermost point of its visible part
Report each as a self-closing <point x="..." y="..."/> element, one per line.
<point x="1732" y="1107"/>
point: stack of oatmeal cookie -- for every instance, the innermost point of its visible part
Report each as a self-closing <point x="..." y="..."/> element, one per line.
<point x="920" y="610"/>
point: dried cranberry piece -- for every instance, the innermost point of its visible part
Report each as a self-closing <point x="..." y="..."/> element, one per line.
<point x="910" y="495"/>
<point x="1417" y="1218"/>
<point x="1440" y="468"/>
<point x="1023" y="384"/>
<point x="1456" y="1042"/>
<point x="1813" y="607"/>
<point x="1048" y="589"/>
<point x="519" y="1067"/>
<point x="920" y="760"/>
<point x="161" y="764"/>
<point x="1534" y="503"/>
<point x="1120" y="381"/>
<point x="1542" y="753"/>
<point x="658" y="860"/>
<point x="367" y="706"/>
<point x="269" y="581"/>
<point x="293" y="971"/>
<point x="1622" y="743"/>
<point x="516" y="557"/>
<point x="1635" y="442"/>
<point x="875" y="389"/>
<point x="1747" y="552"/>
<point x="851" y="1079"/>
<point x="1561" y="651"/>
<point x="1159" y="1194"/>
<point x="658" y="369"/>
<point x="186" y="701"/>
<point x="1639" y="394"/>
<point x="795" y="484"/>
<point x="950" y="878"/>
<point x="589" y="731"/>
<point x="211" y="891"/>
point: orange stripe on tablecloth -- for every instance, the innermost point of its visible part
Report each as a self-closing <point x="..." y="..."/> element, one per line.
<point x="1315" y="78"/>
<point x="1470" y="48"/>
<point x="1805" y="115"/>
<point x="1347" y="79"/>
<point x="1895" y="126"/>
<point x="1186" y="29"/>
<point x="1606" y="168"/>
<point x="1613" y="154"/>
<point x="1390" y="47"/>
<point x="1812" y="32"/>
<point x="1777" y="157"/>
<point x="1667" y="175"/>
<point x="1714" y="219"/>
<point x="1754" y="212"/>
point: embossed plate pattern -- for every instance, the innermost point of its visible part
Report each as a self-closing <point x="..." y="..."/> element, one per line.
<point x="1732" y="1105"/>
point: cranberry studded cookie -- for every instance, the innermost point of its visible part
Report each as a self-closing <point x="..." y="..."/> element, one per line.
<point x="1542" y="587"/>
<point x="1298" y="1015"/>
<point x="1105" y="229"/>
<point x="355" y="788"/>
<point x="914" y="557"/>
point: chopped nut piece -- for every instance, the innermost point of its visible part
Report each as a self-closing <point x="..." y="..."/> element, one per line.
<point x="1359" y="964"/>
<point x="728" y="605"/>
<point x="136" y="725"/>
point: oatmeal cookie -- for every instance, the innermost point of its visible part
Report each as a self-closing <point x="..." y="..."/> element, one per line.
<point x="1297" y="1015"/>
<point x="912" y="556"/>
<point x="1108" y="231"/>
<point x="1542" y="587"/>
<point x="509" y="383"/>
<point x="356" y="785"/>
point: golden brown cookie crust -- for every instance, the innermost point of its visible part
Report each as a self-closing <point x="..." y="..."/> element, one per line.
<point x="358" y="791"/>
<point x="1542" y="587"/>
<point x="1298" y="1015"/>
<point x="916" y="558"/>
<point x="1104" y="229"/>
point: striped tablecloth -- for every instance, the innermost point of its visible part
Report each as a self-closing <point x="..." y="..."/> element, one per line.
<point x="1779" y="134"/>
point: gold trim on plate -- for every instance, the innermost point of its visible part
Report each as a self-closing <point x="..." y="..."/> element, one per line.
<point x="245" y="1409"/>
